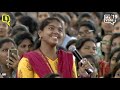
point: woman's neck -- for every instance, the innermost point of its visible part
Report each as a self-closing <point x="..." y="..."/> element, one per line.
<point x="106" y="57"/>
<point x="48" y="51"/>
<point x="6" y="70"/>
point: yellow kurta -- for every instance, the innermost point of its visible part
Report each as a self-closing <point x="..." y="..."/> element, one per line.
<point x="25" y="70"/>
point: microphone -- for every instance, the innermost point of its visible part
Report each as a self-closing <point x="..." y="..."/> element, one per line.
<point x="73" y="49"/>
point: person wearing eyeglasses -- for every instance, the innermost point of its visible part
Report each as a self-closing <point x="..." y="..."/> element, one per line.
<point x="105" y="47"/>
<point x="86" y="29"/>
<point x="105" y="52"/>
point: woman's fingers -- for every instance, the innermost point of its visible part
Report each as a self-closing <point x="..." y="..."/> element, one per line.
<point x="12" y="59"/>
<point x="9" y="62"/>
<point x="86" y="64"/>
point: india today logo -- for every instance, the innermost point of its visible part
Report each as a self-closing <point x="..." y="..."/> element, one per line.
<point x="110" y="18"/>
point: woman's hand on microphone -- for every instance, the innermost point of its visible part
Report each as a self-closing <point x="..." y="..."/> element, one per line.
<point x="84" y="65"/>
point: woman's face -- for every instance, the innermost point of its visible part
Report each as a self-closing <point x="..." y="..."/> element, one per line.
<point x="88" y="48"/>
<point x="52" y="33"/>
<point x="3" y="29"/>
<point x="113" y="61"/>
<point x="116" y="28"/>
<point x="25" y="46"/>
<point x="105" y="44"/>
<point x="117" y="74"/>
<point x="85" y="32"/>
<point x="73" y="19"/>
<point x="42" y="16"/>
<point x="107" y="27"/>
<point x="4" y="52"/>
<point x="115" y="43"/>
<point x="96" y="19"/>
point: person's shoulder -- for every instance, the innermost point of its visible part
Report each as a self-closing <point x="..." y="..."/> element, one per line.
<point x="23" y="61"/>
<point x="31" y="52"/>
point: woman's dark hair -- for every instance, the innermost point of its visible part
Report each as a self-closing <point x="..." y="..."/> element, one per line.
<point x="115" y="35"/>
<point x="70" y="43"/>
<point x="118" y="57"/>
<point x="102" y="32"/>
<point x="98" y="38"/>
<point x="52" y="75"/>
<point x="89" y="23"/>
<point x="12" y="18"/>
<point x="76" y="13"/>
<point x="43" y="24"/>
<point x="92" y="58"/>
<point x="22" y="36"/>
<point x="30" y="23"/>
<point x="64" y="18"/>
<point x="72" y="13"/>
<point x="99" y="15"/>
<point x="116" y="68"/>
<point x="18" y="14"/>
<point x="4" y="40"/>
<point x="47" y="21"/>
<point x="57" y="15"/>
<point x="18" y="28"/>
<point x="67" y="20"/>
<point x="113" y="52"/>
<point x="82" y="41"/>
<point x="83" y="15"/>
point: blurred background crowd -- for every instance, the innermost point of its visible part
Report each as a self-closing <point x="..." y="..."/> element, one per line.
<point x="94" y="39"/>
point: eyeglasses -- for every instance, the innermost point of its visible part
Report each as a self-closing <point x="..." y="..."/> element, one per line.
<point x="85" y="33"/>
<point x="105" y="42"/>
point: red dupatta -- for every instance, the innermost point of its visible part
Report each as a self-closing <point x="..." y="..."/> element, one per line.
<point x="104" y="68"/>
<point x="39" y="65"/>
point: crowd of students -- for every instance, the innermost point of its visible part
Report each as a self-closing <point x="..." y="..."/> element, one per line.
<point x="43" y="43"/>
